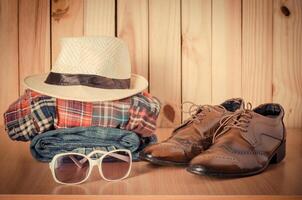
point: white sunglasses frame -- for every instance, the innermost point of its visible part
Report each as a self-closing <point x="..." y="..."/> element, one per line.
<point x="97" y="162"/>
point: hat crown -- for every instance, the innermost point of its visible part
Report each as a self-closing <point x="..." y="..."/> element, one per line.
<point x="102" y="56"/>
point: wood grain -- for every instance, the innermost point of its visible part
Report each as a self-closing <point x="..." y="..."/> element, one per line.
<point x="164" y="55"/>
<point x="34" y="38"/>
<point x="9" y="74"/>
<point x="257" y="51"/>
<point x="287" y="76"/>
<point x="24" y="175"/>
<point x="66" y="21"/>
<point x="157" y="197"/>
<point x="132" y="25"/>
<point x="226" y="50"/>
<point x="99" y="17"/>
<point x="196" y="52"/>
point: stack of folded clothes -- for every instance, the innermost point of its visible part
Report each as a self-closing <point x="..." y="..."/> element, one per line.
<point x="55" y="125"/>
<point x="89" y="100"/>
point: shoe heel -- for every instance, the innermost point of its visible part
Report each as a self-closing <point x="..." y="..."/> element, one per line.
<point x="279" y="154"/>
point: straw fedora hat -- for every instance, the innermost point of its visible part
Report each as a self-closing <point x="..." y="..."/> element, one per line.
<point x="89" y="69"/>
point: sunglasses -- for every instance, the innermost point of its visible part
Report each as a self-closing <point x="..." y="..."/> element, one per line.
<point x="75" y="168"/>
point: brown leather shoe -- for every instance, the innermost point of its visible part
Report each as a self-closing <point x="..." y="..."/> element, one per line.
<point x="192" y="137"/>
<point x="245" y="144"/>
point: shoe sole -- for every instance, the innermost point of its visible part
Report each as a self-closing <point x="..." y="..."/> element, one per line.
<point x="277" y="157"/>
<point x="157" y="161"/>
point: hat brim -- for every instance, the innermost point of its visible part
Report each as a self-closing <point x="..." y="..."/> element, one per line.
<point x="85" y="93"/>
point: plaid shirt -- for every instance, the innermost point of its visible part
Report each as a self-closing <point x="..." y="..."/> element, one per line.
<point x="34" y="113"/>
<point x="111" y="114"/>
<point x="30" y="115"/>
<point x="137" y="113"/>
<point x="143" y="112"/>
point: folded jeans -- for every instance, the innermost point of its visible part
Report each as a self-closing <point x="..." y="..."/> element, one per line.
<point x="85" y="139"/>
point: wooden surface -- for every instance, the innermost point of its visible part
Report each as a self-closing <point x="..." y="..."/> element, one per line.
<point x="287" y="76"/>
<point x="67" y="20"/>
<point x="132" y="25"/>
<point x="21" y="174"/>
<point x="226" y="50"/>
<point x="99" y="17"/>
<point x="196" y="51"/>
<point x="141" y="197"/>
<point x="257" y="51"/>
<point x="203" y="51"/>
<point x="34" y="42"/>
<point x="164" y="55"/>
<point x="9" y="76"/>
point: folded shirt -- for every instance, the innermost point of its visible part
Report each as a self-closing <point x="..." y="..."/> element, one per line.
<point x="34" y="114"/>
<point x="84" y="140"/>
<point x="143" y="112"/>
<point x="137" y="113"/>
<point x="30" y="115"/>
<point x="112" y="114"/>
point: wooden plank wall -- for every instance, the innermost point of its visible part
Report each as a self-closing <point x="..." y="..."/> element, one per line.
<point x="287" y="59"/>
<point x="34" y="42"/>
<point x="203" y="51"/>
<point x="257" y="51"/>
<point x="164" y="55"/>
<point x="9" y="61"/>
<point x="226" y="50"/>
<point x="196" y="52"/>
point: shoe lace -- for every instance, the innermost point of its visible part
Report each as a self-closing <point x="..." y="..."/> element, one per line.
<point x="197" y="112"/>
<point x="238" y="120"/>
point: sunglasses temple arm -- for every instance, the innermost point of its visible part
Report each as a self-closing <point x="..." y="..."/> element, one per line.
<point x="78" y="163"/>
<point x="121" y="157"/>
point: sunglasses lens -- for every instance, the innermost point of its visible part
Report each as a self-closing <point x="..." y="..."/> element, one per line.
<point x="71" y="168"/>
<point x="116" y="165"/>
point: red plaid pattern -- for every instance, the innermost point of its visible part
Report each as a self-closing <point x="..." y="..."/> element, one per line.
<point x="21" y="107"/>
<point x="73" y="113"/>
<point x="111" y="113"/>
<point x="137" y="113"/>
<point x="143" y="114"/>
<point x="34" y="113"/>
<point x="29" y="115"/>
<point x="114" y="114"/>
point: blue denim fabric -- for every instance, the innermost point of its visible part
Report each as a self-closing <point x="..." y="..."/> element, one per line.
<point x="85" y="139"/>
